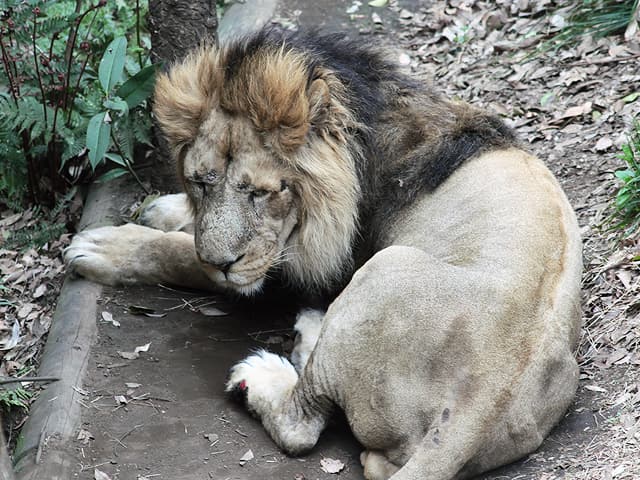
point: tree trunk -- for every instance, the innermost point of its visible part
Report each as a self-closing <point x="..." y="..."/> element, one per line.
<point x="176" y="27"/>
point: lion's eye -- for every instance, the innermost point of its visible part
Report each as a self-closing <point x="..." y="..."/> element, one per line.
<point x="259" y="193"/>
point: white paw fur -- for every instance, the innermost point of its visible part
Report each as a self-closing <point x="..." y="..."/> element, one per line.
<point x="106" y="254"/>
<point x="266" y="378"/>
<point x="307" y="327"/>
<point x="169" y="213"/>
<point x="376" y="466"/>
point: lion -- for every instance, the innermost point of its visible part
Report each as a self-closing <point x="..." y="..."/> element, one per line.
<point x="448" y="256"/>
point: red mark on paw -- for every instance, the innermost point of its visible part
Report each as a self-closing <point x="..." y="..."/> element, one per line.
<point x="242" y="385"/>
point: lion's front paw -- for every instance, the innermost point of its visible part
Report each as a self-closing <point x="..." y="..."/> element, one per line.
<point x="307" y="327"/>
<point x="169" y="213"/>
<point x="109" y="255"/>
<point x="262" y="380"/>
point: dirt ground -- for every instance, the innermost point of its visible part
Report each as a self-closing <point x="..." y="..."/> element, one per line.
<point x="164" y="414"/>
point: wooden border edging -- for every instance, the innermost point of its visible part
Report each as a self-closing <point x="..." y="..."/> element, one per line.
<point x="54" y="417"/>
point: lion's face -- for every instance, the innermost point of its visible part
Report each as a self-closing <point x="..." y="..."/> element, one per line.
<point x="244" y="202"/>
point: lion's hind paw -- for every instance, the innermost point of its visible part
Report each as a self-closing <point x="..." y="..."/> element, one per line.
<point x="262" y="381"/>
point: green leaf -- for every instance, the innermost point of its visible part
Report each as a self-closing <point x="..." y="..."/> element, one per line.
<point x="547" y="98"/>
<point x="117" y="104"/>
<point x="115" y="158"/>
<point x="112" y="63"/>
<point x="139" y="87"/>
<point x="624" y="175"/>
<point x="378" y="3"/>
<point x="98" y="133"/>
<point x="111" y="174"/>
<point x="632" y="97"/>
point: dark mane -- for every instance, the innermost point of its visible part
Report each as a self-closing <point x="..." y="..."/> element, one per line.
<point x="411" y="138"/>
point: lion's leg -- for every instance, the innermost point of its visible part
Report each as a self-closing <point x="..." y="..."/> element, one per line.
<point x="307" y="327"/>
<point x="289" y="407"/>
<point x="169" y="213"/>
<point x="135" y="254"/>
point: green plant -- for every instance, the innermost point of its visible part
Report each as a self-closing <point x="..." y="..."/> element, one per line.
<point x="626" y="216"/>
<point x="47" y="226"/>
<point x="112" y="132"/>
<point x="50" y="57"/>
<point x="14" y="397"/>
<point x="598" y="18"/>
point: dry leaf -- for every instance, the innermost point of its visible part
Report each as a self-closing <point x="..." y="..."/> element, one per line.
<point x="578" y="110"/>
<point x="146" y="311"/>
<point x="84" y="436"/>
<point x="595" y="388"/>
<point x="100" y="475"/>
<point x="40" y="291"/>
<point x="107" y="317"/>
<point x="331" y="465"/>
<point x="143" y="348"/>
<point x="375" y="18"/>
<point x="129" y="355"/>
<point x="603" y="144"/>
<point x="246" y="457"/>
<point x="212" y="312"/>
<point x="378" y="3"/>
<point x="121" y="399"/>
<point x="212" y="437"/>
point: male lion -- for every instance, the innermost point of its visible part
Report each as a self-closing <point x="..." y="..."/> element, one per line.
<point x="451" y="255"/>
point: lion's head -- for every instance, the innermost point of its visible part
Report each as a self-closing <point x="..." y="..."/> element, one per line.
<point x="257" y="130"/>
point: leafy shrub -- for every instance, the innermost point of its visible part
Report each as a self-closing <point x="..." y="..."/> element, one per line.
<point x="598" y="18"/>
<point x="626" y="216"/>
<point x="52" y="57"/>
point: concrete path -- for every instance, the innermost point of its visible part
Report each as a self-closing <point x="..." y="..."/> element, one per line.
<point x="164" y="415"/>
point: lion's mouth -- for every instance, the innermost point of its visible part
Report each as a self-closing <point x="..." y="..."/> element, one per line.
<point x="243" y="279"/>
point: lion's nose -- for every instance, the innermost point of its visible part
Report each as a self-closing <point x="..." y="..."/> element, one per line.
<point x="225" y="266"/>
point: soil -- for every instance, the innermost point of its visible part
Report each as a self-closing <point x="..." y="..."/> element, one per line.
<point x="178" y="424"/>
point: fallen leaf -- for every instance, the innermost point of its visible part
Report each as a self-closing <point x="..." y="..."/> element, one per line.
<point x="603" y="144"/>
<point x="12" y="341"/>
<point x="211" y="312"/>
<point x="212" y="437"/>
<point x="146" y="311"/>
<point x="143" y="348"/>
<point x="331" y="465"/>
<point x="84" y="436"/>
<point x="121" y="399"/>
<point x="107" y="317"/>
<point x="578" y="110"/>
<point x="632" y="97"/>
<point x="40" y="291"/>
<point x="100" y="475"/>
<point x="132" y="385"/>
<point x="595" y="388"/>
<point x="246" y="457"/>
<point x="129" y="355"/>
<point x="375" y="18"/>
<point x="378" y="3"/>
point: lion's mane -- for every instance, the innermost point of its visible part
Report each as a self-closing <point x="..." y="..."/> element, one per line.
<point x="364" y="139"/>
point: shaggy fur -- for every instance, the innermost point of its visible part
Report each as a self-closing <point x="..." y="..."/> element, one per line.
<point x="364" y="140"/>
<point x="450" y="257"/>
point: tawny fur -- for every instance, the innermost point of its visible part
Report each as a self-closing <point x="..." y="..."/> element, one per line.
<point x="452" y="256"/>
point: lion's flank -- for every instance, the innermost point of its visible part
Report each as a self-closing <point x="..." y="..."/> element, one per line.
<point x="363" y="139"/>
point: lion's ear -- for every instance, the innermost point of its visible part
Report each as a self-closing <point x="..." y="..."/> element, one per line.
<point x="319" y="102"/>
<point x="185" y="95"/>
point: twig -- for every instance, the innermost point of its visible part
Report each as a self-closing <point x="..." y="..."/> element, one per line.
<point x="35" y="61"/>
<point x="6" y="380"/>
<point x="601" y="61"/>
